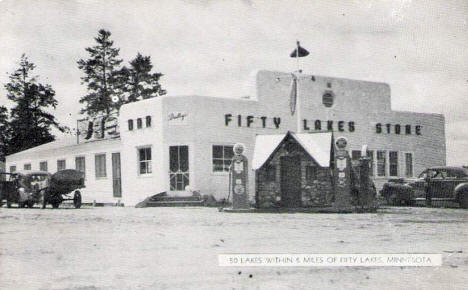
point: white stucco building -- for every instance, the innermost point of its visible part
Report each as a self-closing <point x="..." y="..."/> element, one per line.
<point x="170" y="142"/>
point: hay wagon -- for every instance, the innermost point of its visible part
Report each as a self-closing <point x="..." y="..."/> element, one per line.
<point x="63" y="186"/>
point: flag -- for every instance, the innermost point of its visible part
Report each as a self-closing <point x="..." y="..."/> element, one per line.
<point x="293" y="94"/>
<point x="299" y="51"/>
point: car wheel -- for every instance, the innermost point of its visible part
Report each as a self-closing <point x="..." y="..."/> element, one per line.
<point x="77" y="199"/>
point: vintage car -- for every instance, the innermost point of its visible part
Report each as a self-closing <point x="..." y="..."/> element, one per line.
<point x="435" y="183"/>
<point x="23" y="189"/>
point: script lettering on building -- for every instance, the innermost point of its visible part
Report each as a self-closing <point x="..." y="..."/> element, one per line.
<point x="177" y="118"/>
<point x="100" y="127"/>
<point x="251" y="121"/>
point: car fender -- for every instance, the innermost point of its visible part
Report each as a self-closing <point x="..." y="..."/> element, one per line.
<point x="23" y="196"/>
<point x="462" y="187"/>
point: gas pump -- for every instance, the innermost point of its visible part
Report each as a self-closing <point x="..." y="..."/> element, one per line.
<point x="342" y="174"/>
<point x="239" y="178"/>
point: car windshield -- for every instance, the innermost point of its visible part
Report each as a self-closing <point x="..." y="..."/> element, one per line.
<point x="34" y="181"/>
<point x="442" y="173"/>
<point x="427" y="173"/>
<point x="38" y="177"/>
<point x="8" y="177"/>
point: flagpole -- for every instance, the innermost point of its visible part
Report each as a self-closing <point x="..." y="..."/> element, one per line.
<point x="298" y="99"/>
<point x="297" y="55"/>
<point x="299" y="52"/>
<point x="298" y="106"/>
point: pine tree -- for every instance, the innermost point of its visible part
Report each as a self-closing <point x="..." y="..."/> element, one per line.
<point x="139" y="82"/>
<point x="30" y="124"/>
<point x="4" y="132"/>
<point x="101" y="76"/>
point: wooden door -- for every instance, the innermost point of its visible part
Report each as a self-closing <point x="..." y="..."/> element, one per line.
<point x="179" y="176"/>
<point x="116" y="175"/>
<point x="291" y="181"/>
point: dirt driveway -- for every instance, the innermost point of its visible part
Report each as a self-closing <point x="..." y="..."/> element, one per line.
<point x="177" y="248"/>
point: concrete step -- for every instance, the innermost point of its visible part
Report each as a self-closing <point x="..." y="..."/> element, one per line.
<point x="175" y="198"/>
<point x="174" y="203"/>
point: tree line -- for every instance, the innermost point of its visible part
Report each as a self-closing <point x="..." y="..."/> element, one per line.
<point x="109" y="84"/>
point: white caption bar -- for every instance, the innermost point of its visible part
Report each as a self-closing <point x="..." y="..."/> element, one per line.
<point x="330" y="260"/>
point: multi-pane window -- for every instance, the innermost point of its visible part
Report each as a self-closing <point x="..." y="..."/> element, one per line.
<point x="27" y="166"/>
<point x="408" y="164"/>
<point x="311" y="173"/>
<point x="80" y="163"/>
<point x="43" y="166"/>
<point x="144" y="160"/>
<point x="130" y="125"/>
<point x="393" y="163"/>
<point x="100" y="165"/>
<point x="381" y="162"/>
<point x="12" y="169"/>
<point x="139" y="123"/>
<point x="148" y="121"/>
<point x="61" y="164"/>
<point x="222" y="156"/>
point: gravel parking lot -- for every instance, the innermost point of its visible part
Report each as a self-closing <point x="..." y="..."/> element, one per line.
<point x="177" y="248"/>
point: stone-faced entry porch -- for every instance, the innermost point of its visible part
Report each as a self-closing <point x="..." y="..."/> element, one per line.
<point x="293" y="170"/>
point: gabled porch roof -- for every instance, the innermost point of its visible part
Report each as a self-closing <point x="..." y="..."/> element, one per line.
<point x="317" y="145"/>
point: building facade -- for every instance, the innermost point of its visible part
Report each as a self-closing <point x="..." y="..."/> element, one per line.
<point x="176" y="143"/>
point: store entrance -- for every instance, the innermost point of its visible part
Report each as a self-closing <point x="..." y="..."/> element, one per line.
<point x="116" y="175"/>
<point x="291" y="181"/>
<point x="178" y="167"/>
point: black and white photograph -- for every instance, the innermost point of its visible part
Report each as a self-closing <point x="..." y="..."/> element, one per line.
<point x="244" y="144"/>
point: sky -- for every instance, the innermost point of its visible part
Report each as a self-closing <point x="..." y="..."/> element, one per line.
<point x="213" y="47"/>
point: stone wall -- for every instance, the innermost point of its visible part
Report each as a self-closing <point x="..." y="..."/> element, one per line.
<point x="314" y="192"/>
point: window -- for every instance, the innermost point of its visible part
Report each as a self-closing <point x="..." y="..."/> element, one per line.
<point x="270" y="171"/>
<point x="370" y="155"/>
<point x="393" y="162"/>
<point x="61" y="164"/>
<point x="12" y="169"/>
<point x="148" y="121"/>
<point x="130" y="125"/>
<point x="43" y="166"/>
<point x="80" y="163"/>
<point x="144" y="160"/>
<point x="311" y="173"/>
<point x="381" y="164"/>
<point x="139" y="123"/>
<point x="222" y="156"/>
<point x="355" y="155"/>
<point x="409" y="164"/>
<point x="27" y="166"/>
<point x="100" y="165"/>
